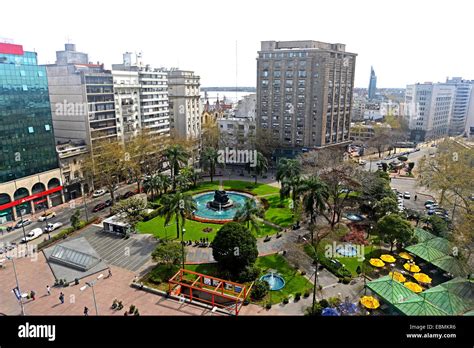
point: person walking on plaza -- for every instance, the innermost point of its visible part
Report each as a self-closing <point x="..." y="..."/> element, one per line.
<point x="61" y="298"/>
<point x="32" y="294"/>
<point x="416" y="197"/>
<point x="86" y="311"/>
<point x="110" y="274"/>
<point x="48" y="289"/>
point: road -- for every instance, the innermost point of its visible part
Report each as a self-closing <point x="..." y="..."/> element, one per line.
<point x="63" y="214"/>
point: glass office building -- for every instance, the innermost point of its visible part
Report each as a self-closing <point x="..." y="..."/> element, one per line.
<point x="26" y="127"/>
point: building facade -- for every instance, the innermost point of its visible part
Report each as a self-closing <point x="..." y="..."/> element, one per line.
<point x="29" y="174"/>
<point x="304" y="92"/>
<point x="185" y="103"/>
<point x="372" y="84"/>
<point x="82" y="99"/>
<point x="461" y="105"/>
<point x="428" y="109"/>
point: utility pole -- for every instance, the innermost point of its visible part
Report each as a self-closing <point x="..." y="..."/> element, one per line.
<point x="17" y="284"/>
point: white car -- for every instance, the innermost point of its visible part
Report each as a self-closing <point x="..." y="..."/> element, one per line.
<point x="51" y="227"/>
<point x="406" y="195"/>
<point x="47" y="215"/>
<point x="362" y="162"/>
<point x="98" y="193"/>
<point x="33" y="234"/>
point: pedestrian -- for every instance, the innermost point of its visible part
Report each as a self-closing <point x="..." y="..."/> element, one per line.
<point x="416" y="197"/>
<point x="61" y="297"/>
<point x="110" y="274"/>
<point x="48" y="289"/>
<point x="32" y="294"/>
<point x="86" y="311"/>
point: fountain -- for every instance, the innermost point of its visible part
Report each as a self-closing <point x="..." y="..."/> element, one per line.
<point x="221" y="201"/>
<point x="275" y="281"/>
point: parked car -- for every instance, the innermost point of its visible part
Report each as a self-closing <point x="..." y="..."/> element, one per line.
<point x="429" y="202"/>
<point x="46" y="216"/>
<point x="98" y="193"/>
<point x="51" y="227"/>
<point x="23" y="223"/>
<point x="362" y="162"/>
<point x="108" y="202"/>
<point x="407" y="195"/>
<point x="431" y="206"/>
<point x="33" y="234"/>
<point x="99" y="207"/>
<point x="128" y="194"/>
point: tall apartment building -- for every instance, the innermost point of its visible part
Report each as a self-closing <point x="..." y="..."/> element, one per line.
<point x="82" y="99"/>
<point x="428" y="109"/>
<point x="461" y="106"/>
<point x="372" y="84"/>
<point x="30" y="179"/>
<point x="185" y="104"/>
<point x="304" y="92"/>
<point x="141" y="96"/>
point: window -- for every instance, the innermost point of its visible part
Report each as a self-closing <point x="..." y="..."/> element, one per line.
<point x="31" y="130"/>
<point x="47" y="127"/>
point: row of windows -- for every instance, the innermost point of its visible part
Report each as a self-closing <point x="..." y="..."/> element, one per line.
<point x="282" y="55"/>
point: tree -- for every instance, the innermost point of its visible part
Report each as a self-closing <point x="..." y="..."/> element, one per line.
<point x="266" y="142"/>
<point x="75" y="219"/>
<point x="210" y="133"/>
<point x="191" y="175"/>
<point x="168" y="253"/>
<point x="381" y="138"/>
<point x="385" y="206"/>
<point x="132" y="208"/>
<point x="250" y="214"/>
<point x="438" y="226"/>
<point x="315" y="195"/>
<point x="177" y="157"/>
<point x="234" y="248"/>
<point x="289" y="174"/>
<point x="210" y="158"/>
<point x="179" y="206"/>
<point x="375" y="187"/>
<point x="394" y="229"/>
<point x="157" y="185"/>
<point x="261" y="165"/>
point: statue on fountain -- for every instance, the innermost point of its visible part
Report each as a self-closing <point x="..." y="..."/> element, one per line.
<point x="221" y="201"/>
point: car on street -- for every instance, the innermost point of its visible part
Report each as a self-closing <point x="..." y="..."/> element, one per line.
<point x="23" y="223"/>
<point x="406" y="195"/>
<point x="108" y="202"/>
<point x="431" y="206"/>
<point x="33" y="234"/>
<point x="51" y="227"/>
<point x="362" y="162"/>
<point x="98" y="193"/>
<point x="99" y="207"/>
<point x="429" y="202"/>
<point x="128" y="194"/>
<point x="46" y="216"/>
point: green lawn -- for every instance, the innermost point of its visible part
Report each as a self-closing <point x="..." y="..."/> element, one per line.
<point x="294" y="282"/>
<point x="259" y="189"/>
<point x="280" y="216"/>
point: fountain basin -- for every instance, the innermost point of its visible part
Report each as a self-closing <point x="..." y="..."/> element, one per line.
<point x="347" y="250"/>
<point x="275" y="281"/>
<point x="205" y="213"/>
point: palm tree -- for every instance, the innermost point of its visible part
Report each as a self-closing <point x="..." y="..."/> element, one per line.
<point x="152" y="185"/>
<point x="261" y="165"/>
<point x="177" y="157"/>
<point x="315" y="194"/>
<point x="250" y="214"/>
<point x="191" y="175"/>
<point x="178" y="205"/>
<point x="289" y="174"/>
<point x="210" y="158"/>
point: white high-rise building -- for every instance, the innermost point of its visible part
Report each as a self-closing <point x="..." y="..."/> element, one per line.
<point x="429" y="109"/>
<point x="461" y="110"/>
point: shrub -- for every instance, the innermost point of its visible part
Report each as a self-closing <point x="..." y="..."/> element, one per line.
<point x="306" y="294"/>
<point x="297" y="296"/>
<point x="303" y="273"/>
<point x="151" y="215"/>
<point x="162" y="273"/>
<point x="324" y="303"/>
<point x="265" y="203"/>
<point x="250" y="273"/>
<point x="346" y="280"/>
<point x="334" y="301"/>
<point x="268" y="306"/>
<point x="260" y="290"/>
<point x="317" y="310"/>
<point x="285" y="300"/>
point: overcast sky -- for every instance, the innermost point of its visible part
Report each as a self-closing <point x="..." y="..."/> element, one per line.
<point x="406" y="41"/>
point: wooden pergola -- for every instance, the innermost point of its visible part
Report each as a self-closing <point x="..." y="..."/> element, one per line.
<point x="214" y="291"/>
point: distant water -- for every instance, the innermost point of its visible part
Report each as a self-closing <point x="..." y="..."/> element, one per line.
<point x="229" y="96"/>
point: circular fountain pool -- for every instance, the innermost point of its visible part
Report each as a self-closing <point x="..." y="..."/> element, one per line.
<point x="205" y="213"/>
<point x="275" y="281"/>
<point x="347" y="250"/>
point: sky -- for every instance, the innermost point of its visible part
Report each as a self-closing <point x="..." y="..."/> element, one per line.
<point x="406" y="41"/>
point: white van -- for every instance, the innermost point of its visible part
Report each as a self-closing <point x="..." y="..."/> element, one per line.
<point x="33" y="234"/>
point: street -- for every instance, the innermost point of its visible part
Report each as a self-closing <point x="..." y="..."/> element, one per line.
<point x="63" y="215"/>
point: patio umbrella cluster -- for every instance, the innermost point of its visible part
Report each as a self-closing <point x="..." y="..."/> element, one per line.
<point x="388" y="258"/>
<point x="405" y="255"/>
<point x="411" y="267"/>
<point x="398" y="277"/>
<point x="369" y="302"/>
<point x="422" y="278"/>
<point x="377" y="262"/>
<point x="413" y="287"/>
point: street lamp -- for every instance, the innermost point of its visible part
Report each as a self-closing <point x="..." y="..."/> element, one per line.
<point x="182" y="244"/>
<point x="91" y="285"/>
<point x="17" y="285"/>
<point x="23" y="228"/>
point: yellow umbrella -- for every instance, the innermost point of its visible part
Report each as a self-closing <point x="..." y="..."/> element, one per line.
<point x="413" y="287"/>
<point x="411" y="267"/>
<point x="405" y="255"/>
<point x="398" y="277"/>
<point x="370" y="302"/>
<point x="377" y="262"/>
<point x="388" y="258"/>
<point x="422" y="278"/>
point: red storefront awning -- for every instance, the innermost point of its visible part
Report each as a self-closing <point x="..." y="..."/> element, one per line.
<point x="7" y="48"/>
<point x="30" y="198"/>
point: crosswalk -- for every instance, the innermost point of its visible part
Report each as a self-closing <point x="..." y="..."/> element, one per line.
<point x="131" y="253"/>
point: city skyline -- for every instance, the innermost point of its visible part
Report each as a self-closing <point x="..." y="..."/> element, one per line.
<point x="191" y="42"/>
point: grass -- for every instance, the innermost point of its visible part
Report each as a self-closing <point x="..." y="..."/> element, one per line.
<point x="294" y="281"/>
<point x="280" y="216"/>
<point x="258" y="189"/>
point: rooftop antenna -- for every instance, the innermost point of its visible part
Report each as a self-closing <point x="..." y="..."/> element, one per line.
<point x="236" y="71"/>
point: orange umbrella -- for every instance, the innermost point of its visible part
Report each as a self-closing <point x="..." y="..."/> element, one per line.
<point x="388" y="258"/>
<point x="413" y="287"/>
<point x="370" y="302"/>
<point x="422" y="278"/>
<point x="405" y="255"/>
<point x="411" y="267"/>
<point x="377" y="262"/>
<point x="398" y="277"/>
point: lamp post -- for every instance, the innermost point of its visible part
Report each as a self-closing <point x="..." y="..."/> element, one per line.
<point x="24" y="232"/>
<point x="17" y="285"/>
<point x="182" y="244"/>
<point x="91" y="285"/>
